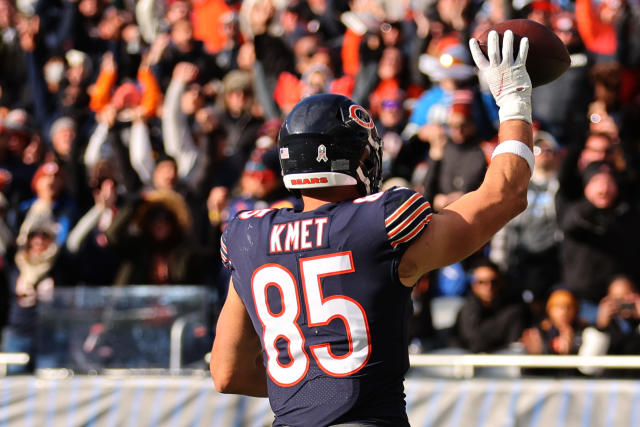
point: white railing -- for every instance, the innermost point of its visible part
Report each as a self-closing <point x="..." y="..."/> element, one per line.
<point x="464" y="364"/>
<point x="12" y="359"/>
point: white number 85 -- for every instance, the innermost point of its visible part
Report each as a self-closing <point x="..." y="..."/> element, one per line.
<point x="320" y="311"/>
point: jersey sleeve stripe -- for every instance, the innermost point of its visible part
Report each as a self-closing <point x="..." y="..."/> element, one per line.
<point x="398" y="212"/>
<point x="408" y="221"/>
<point x="223" y="252"/>
<point x="413" y="233"/>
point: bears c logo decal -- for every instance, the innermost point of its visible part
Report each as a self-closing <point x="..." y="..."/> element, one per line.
<point x="360" y="116"/>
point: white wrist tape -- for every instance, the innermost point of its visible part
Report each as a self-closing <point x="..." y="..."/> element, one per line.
<point x="515" y="107"/>
<point x="518" y="148"/>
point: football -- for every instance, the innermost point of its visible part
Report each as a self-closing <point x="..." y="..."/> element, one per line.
<point x="548" y="57"/>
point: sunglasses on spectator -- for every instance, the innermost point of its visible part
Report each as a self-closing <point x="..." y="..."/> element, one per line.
<point x="492" y="282"/>
<point x="537" y="150"/>
<point x="391" y="104"/>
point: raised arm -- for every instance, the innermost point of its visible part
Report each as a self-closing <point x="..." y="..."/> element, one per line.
<point x="177" y="137"/>
<point x="464" y="226"/>
<point x="236" y="357"/>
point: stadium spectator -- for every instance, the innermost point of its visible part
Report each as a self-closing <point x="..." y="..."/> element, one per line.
<point x="183" y="47"/>
<point x="601" y="238"/>
<point x="208" y="22"/>
<point x="75" y="91"/>
<point x="96" y="261"/>
<point x="234" y="110"/>
<point x="51" y="203"/>
<point x="12" y="64"/>
<point x="596" y="25"/>
<point x="271" y="54"/>
<point x="491" y="318"/>
<point x="126" y="123"/>
<point x="398" y="156"/>
<point x="539" y="11"/>
<point x="38" y="270"/>
<point x="628" y="52"/>
<point x="67" y="152"/>
<point x="19" y="143"/>
<point x="134" y="97"/>
<point x="560" y="332"/>
<point x="313" y="74"/>
<point x="597" y="147"/>
<point x="226" y="56"/>
<point x="431" y="109"/>
<point x="381" y="63"/>
<point x="184" y="97"/>
<point x="390" y="74"/>
<point x="86" y="34"/>
<point x="154" y="239"/>
<point x="618" y="318"/>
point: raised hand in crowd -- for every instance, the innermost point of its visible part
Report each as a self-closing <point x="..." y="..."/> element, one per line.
<point x="108" y="63"/>
<point x="106" y="195"/>
<point x="607" y="308"/>
<point x="158" y="47"/>
<point x="107" y="115"/>
<point x="185" y="72"/>
<point x="260" y="14"/>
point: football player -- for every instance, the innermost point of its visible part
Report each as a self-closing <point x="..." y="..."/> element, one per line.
<point x="317" y="309"/>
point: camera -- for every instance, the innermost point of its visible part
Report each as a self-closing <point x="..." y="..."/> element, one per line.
<point x="627" y="306"/>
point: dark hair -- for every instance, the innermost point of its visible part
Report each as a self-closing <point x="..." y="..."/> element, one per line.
<point x="162" y="157"/>
<point x="484" y="261"/>
<point x="595" y="168"/>
<point x="606" y="73"/>
<point x="160" y="211"/>
<point x="100" y="172"/>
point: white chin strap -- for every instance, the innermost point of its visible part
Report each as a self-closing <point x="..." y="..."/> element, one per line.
<point x="318" y="180"/>
<point x="365" y="180"/>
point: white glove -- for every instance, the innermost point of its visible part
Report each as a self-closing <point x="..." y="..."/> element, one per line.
<point x="508" y="80"/>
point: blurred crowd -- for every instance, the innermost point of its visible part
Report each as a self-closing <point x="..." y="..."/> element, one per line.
<point x="131" y="131"/>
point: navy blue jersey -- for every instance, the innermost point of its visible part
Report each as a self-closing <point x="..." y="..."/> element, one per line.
<point x="323" y="293"/>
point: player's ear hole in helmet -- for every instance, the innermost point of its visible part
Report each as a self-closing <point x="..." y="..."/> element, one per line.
<point x="328" y="140"/>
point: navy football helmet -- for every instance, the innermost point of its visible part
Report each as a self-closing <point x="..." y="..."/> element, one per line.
<point x="328" y="140"/>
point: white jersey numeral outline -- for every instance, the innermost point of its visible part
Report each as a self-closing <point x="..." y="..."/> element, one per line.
<point x="320" y="312"/>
